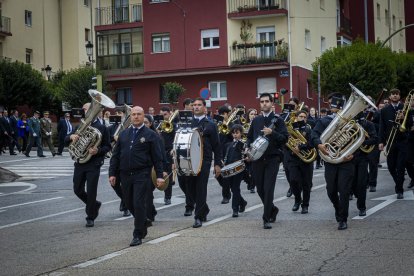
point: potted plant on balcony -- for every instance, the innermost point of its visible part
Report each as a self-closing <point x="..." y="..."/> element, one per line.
<point x="234" y="45"/>
<point x="282" y="51"/>
<point x="172" y="91"/>
<point x="245" y="34"/>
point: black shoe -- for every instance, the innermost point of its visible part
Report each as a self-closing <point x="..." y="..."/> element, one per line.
<point x="13" y="153"/>
<point x="242" y="207"/>
<point x="275" y="211"/>
<point x="197" y="223"/>
<point x="167" y="201"/>
<point x="126" y="213"/>
<point x="188" y="212"/>
<point x="235" y="214"/>
<point x="225" y="200"/>
<point x="304" y="210"/>
<point x="362" y="213"/>
<point x="27" y="155"/>
<point x="58" y="153"/>
<point x="296" y="206"/>
<point x="289" y="193"/>
<point x="89" y="223"/>
<point x="53" y="154"/>
<point x="135" y="242"/>
<point x="342" y="225"/>
<point x="379" y="166"/>
<point x="351" y="197"/>
<point x="252" y="191"/>
<point x="411" y="185"/>
<point x="267" y="225"/>
<point x="372" y="189"/>
<point x="400" y="196"/>
<point x="122" y="207"/>
<point x="42" y="156"/>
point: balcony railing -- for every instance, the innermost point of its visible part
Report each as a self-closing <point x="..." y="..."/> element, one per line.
<point x="344" y="25"/>
<point x="122" y="61"/>
<point x="241" y="6"/>
<point x="258" y="53"/>
<point x="117" y="15"/>
<point x="5" y="25"/>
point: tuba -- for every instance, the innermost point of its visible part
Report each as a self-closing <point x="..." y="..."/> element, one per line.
<point x="89" y="137"/>
<point x="124" y="125"/>
<point x="344" y="135"/>
<point x="168" y="126"/>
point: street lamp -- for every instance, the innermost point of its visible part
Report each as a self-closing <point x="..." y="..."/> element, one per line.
<point x="48" y="71"/>
<point x="89" y="50"/>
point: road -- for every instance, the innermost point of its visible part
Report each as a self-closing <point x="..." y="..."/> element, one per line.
<point x="42" y="231"/>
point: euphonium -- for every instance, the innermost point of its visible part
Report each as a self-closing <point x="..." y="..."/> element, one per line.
<point x="224" y="127"/>
<point x="123" y="125"/>
<point x="89" y="137"/>
<point x="168" y="126"/>
<point x="344" y="136"/>
<point x="397" y="126"/>
<point x="296" y="139"/>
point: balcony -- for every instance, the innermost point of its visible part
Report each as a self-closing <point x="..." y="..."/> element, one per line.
<point x="118" y="15"/>
<point x="258" y="53"/>
<point x="344" y="25"/>
<point x="122" y="63"/>
<point x="5" y="26"/>
<point x="256" y="8"/>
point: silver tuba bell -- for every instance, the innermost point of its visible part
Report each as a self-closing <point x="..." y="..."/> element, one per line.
<point x="344" y="135"/>
<point x="89" y="136"/>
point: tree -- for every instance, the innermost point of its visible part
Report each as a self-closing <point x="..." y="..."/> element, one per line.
<point x="405" y="72"/>
<point x="172" y="91"/>
<point x="20" y="85"/>
<point x="367" y="66"/>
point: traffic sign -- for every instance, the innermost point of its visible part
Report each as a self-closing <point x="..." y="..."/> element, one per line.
<point x="205" y="93"/>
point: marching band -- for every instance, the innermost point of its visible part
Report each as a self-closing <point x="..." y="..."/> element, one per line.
<point x="148" y="152"/>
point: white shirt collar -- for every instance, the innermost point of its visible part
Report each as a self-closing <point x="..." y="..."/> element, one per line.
<point x="199" y="117"/>
<point x="134" y="127"/>
<point x="266" y="114"/>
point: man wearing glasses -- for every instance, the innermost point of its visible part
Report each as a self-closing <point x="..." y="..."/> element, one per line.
<point x="64" y="128"/>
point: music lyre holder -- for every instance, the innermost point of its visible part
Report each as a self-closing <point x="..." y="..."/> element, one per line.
<point x="185" y="118"/>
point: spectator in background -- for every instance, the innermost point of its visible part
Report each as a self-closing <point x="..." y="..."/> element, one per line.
<point x="106" y="118"/>
<point x="188" y="104"/>
<point x="23" y="131"/>
<point x="151" y="111"/>
<point x="2" y="135"/>
<point x="8" y="131"/>
<point x="46" y="129"/>
<point x="64" y="129"/>
<point x="14" y="118"/>
<point x="35" y="135"/>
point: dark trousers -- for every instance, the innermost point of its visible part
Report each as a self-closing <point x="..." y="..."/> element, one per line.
<point x="149" y="202"/>
<point x="301" y="181"/>
<point x="409" y="162"/>
<point x="373" y="161"/>
<point x="359" y="185"/>
<point x="183" y="181"/>
<point x="197" y="187"/>
<point x="247" y="176"/>
<point x="264" y="172"/>
<point x="32" y="141"/>
<point x="14" y="143"/>
<point x="234" y="183"/>
<point x="339" y="179"/>
<point x="61" y="144"/>
<point x="87" y="174"/>
<point x="396" y="164"/>
<point x="135" y="188"/>
<point x="118" y="190"/>
<point x="24" y="142"/>
<point x="48" y="141"/>
<point x="225" y="187"/>
<point x="168" y="191"/>
<point x="318" y="160"/>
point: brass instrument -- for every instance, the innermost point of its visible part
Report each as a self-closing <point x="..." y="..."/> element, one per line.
<point x="166" y="180"/>
<point x="89" y="137"/>
<point x="168" y="126"/>
<point x="344" y="135"/>
<point x="397" y="125"/>
<point x="224" y="127"/>
<point x="365" y="148"/>
<point x="296" y="139"/>
<point x="124" y="125"/>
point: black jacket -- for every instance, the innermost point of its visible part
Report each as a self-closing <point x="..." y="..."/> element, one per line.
<point x="387" y="118"/>
<point x="369" y="127"/>
<point x="278" y="137"/>
<point x="103" y="148"/>
<point x="6" y="125"/>
<point x="317" y="131"/>
<point x="233" y="152"/>
<point x="211" y="143"/>
<point x="143" y="153"/>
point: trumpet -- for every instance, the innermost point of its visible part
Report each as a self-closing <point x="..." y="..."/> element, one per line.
<point x="397" y="125"/>
<point x="168" y="126"/>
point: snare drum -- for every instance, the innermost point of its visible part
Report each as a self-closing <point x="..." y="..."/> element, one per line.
<point x="233" y="169"/>
<point x="188" y="152"/>
<point x="258" y="148"/>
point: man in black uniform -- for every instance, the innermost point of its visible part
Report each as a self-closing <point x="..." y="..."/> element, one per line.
<point x="265" y="169"/>
<point x="89" y="172"/>
<point x="397" y="153"/>
<point x="197" y="185"/>
<point x="8" y="131"/>
<point x="117" y="185"/>
<point x="136" y="152"/>
<point x="374" y="156"/>
<point x="339" y="176"/>
<point x="359" y="186"/>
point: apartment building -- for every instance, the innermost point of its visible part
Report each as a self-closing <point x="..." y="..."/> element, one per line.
<point x="46" y="32"/>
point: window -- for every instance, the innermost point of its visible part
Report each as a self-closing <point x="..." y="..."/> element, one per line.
<point x="378" y="12"/>
<point x="394" y="26"/>
<point x="160" y="43"/>
<point x="218" y="90"/>
<point x="266" y="34"/>
<point x="387" y="18"/>
<point x="322" y="4"/>
<point x="323" y="44"/>
<point x="86" y="3"/>
<point x="87" y="35"/>
<point x="124" y="96"/>
<point x="266" y="85"/>
<point x="29" y="56"/>
<point x="210" y="39"/>
<point x="28" y="18"/>
<point x="307" y="39"/>
<point x="308" y="90"/>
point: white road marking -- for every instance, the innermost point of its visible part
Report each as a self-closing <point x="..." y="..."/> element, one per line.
<point x="31" y="202"/>
<point x="101" y="259"/>
<point x="18" y="160"/>
<point x="18" y="184"/>
<point x="164" y="238"/>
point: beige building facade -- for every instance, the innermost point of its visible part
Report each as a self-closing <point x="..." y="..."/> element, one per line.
<point x="47" y="32"/>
